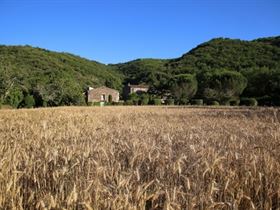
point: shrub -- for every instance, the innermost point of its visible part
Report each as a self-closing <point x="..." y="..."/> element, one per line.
<point x="96" y="103"/>
<point x="156" y="101"/>
<point x="45" y="104"/>
<point x="169" y="101"/>
<point x="134" y="98"/>
<point x="114" y="103"/>
<point x="183" y="101"/>
<point x="197" y="102"/>
<point x="234" y="102"/>
<point x="120" y="103"/>
<point x="29" y="101"/>
<point x="14" y="98"/>
<point x="221" y="85"/>
<point x="183" y="86"/>
<point x="144" y="101"/>
<point x="265" y="101"/>
<point x="248" y="102"/>
<point x="128" y="102"/>
<point x="108" y="103"/>
<point x="213" y="103"/>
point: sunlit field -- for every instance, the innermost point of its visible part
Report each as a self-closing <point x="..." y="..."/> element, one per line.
<point x="140" y="158"/>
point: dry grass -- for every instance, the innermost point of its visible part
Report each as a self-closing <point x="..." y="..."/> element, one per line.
<point x="140" y="158"/>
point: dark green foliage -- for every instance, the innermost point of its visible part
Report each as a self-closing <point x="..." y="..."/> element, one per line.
<point x="97" y="103"/>
<point x="150" y="71"/>
<point x="129" y="102"/>
<point x="250" y="58"/>
<point x="144" y="99"/>
<point x="248" y="102"/>
<point x="52" y="78"/>
<point x="265" y="101"/>
<point x="232" y="54"/>
<point x="213" y="103"/>
<point x="183" y="86"/>
<point x="156" y="101"/>
<point x="234" y="102"/>
<point x="198" y="102"/>
<point x="273" y="88"/>
<point x="216" y="69"/>
<point x="182" y="101"/>
<point x="14" y="97"/>
<point x="120" y="103"/>
<point x="134" y="98"/>
<point x="170" y="101"/>
<point x="222" y="85"/>
<point x="264" y="84"/>
<point x="29" y="101"/>
<point x="274" y="41"/>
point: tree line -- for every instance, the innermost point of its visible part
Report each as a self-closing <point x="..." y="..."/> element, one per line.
<point x="221" y="71"/>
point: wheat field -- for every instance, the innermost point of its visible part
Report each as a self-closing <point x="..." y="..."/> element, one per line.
<point x="140" y="158"/>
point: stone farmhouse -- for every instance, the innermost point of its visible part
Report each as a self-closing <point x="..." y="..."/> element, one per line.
<point x="128" y="89"/>
<point x="102" y="94"/>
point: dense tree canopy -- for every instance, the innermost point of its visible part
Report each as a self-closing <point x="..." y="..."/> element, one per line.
<point x="183" y="87"/>
<point x="52" y="78"/>
<point x="258" y="61"/>
<point x="219" y="70"/>
<point x="222" y="85"/>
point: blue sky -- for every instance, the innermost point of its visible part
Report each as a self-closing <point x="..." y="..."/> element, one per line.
<point x="112" y="31"/>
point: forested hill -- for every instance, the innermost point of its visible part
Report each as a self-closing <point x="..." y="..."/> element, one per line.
<point x="219" y="53"/>
<point x="52" y="78"/>
<point x="218" y="70"/>
<point x="253" y="67"/>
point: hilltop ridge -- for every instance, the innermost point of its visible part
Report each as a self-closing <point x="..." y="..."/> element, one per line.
<point x="59" y="78"/>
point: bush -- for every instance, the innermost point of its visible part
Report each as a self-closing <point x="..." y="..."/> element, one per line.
<point x="14" y="98"/>
<point x="45" y="104"/>
<point x="234" y="102"/>
<point x="248" y="102"/>
<point x="108" y="103"/>
<point x="156" y="101"/>
<point x="144" y="101"/>
<point x="96" y="103"/>
<point x="197" y="102"/>
<point x="221" y="85"/>
<point x="183" y="86"/>
<point x="29" y="101"/>
<point x="134" y="98"/>
<point x="119" y="103"/>
<point x="128" y="102"/>
<point x="265" y="101"/>
<point x="268" y="101"/>
<point x="169" y="101"/>
<point x="213" y="103"/>
<point x="183" y="101"/>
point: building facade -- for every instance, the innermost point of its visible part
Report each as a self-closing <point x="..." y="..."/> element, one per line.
<point x="102" y="94"/>
<point x="135" y="89"/>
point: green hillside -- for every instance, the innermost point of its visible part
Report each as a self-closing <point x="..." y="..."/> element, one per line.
<point x="53" y="78"/>
<point x="220" y="60"/>
<point x="220" y="70"/>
